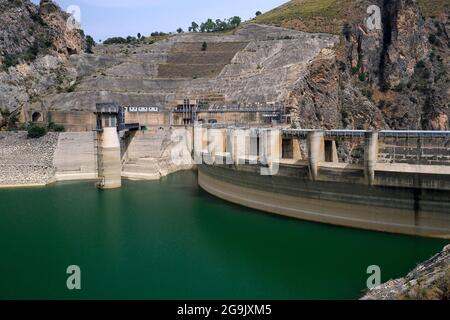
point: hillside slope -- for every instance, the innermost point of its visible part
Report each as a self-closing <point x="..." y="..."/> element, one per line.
<point x="335" y="74"/>
<point x="35" y="43"/>
<point x="396" y="77"/>
<point x="331" y="15"/>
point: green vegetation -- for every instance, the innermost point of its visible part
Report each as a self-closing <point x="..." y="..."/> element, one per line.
<point x="347" y="31"/>
<point x="71" y="88"/>
<point x="309" y="15"/>
<point x="362" y="76"/>
<point x="194" y="27"/>
<point x="330" y="15"/>
<point x="207" y="26"/>
<point x="368" y="93"/>
<point x="219" y="25"/>
<point x="56" y="127"/>
<point x="258" y="13"/>
<point x="433" y="8"/>
<point x="90" y="43"/>
<point x="131" y="39"/>
<point x="204" y="46"/>
<point x="355" y="70"/>
<point x="39" y="47"/>
<point x="35" y="131"/>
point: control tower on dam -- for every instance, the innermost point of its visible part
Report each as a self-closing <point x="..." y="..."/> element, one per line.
<point x="390" y="181"/>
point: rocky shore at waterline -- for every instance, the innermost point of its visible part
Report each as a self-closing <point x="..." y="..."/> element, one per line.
<point x="25" y="161"/>
<point x="429" y="281"/>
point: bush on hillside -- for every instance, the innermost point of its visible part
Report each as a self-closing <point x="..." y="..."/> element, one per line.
<point x="35" y="131"/>
<point x="56" y="127"/>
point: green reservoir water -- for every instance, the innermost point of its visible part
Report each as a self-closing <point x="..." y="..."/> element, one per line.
<point x="171" y="240"/>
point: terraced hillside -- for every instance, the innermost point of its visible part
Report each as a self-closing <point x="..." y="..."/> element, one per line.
<point x="191" y="60"/>
<point x="317" y="57"/>
<point x="256" y="64"/>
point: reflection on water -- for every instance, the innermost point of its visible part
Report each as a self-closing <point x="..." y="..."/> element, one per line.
<point x="171" y="240"/>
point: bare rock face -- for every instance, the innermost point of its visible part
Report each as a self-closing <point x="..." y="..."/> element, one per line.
<point x="403" y="67"/>
<point x="33" y="52"/>
<point x="22" y="26"/>
<point x="315" y="99"/>
<point x="67" y="40"/>
<point x="429" y="281"/>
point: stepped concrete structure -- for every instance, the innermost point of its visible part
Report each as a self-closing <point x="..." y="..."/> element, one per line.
<point x="109" y="164"/>
<point x="255" y="65"/>
<point x="75" y="156"/>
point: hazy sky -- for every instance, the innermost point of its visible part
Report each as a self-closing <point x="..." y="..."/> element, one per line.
<point x="107" y="18"/>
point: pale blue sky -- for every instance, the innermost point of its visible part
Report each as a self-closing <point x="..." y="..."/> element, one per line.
<point x="107" y="18"/>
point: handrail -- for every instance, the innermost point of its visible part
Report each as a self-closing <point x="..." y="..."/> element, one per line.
<point x="382" y="133"/>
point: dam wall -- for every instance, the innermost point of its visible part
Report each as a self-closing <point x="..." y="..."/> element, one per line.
<point x="311" y="182"/>
<point x="155" y="153"/>
<point x="75" y="156"/>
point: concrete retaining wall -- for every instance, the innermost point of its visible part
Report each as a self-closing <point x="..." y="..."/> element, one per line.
<point x="152" y="154"/>
<point x="75" y="156"/>
<point x="292" y="193"/>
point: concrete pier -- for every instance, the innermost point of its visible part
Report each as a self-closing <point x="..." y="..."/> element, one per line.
<point x="216" y="146"/>
<point x="302" y="174"/>
<point x="370" y="156"/>
<point x="315" y="152"/>
<point x="109" y="159"/>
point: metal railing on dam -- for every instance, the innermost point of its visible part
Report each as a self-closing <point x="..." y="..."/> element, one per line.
<point x="362" y="133"/>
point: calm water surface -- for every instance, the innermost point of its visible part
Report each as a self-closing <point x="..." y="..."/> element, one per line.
<point x="171" y="240"/>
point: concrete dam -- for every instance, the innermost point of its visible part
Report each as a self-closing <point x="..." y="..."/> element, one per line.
<point x="390" y="181"/>
<point x="396" y="181"/>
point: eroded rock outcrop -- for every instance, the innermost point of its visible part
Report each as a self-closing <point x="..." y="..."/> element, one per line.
<point x="403" y="68"/>
<point x="35" y="44"/>
<point x="429" y="281"/>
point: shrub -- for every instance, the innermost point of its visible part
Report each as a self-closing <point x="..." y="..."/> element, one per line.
<point x="400" y="87"/>
<point x="10" y="60"/>
<point x="355" y="70"/>
<point x="368" y="93"/>
<point x="35" y="131"/>
<point x="347" y="31"/>
<point x="434" y="40"/>
<point x="90" y="43"/>
<point x="420" y="64"/>
<point x="56" y="127"/>
<point x="71" y="88"/>
<point x="384" y="86"/>
<point x="204" y="46"/>
<point x="362" y="76"/>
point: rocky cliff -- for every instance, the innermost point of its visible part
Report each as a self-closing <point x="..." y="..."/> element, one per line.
<point x="318" y="57"/>
<point x="429" y="281"/>
<point x="395" y="76"/>
<point x="35" y="43"/>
